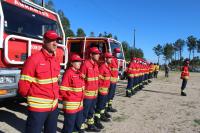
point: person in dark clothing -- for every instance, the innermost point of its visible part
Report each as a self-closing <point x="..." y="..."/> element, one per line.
<point x="166" y="70"/>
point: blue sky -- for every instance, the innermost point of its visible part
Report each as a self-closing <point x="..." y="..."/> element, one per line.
<point x="155" y="21"/>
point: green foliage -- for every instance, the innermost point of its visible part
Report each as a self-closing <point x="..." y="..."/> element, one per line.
<point x="158" y="50"/>
<point x="92" y="34"/>
<point x="168" y="51"/>
<point x="50" y="5"/>
<point x="129" y="52"/>
<point x="192" y="44"/>
<point x="171" y="50"/>
<point x="178" y="46"/>
<point x="66" y="24"/>
<point x="80" y="33"/>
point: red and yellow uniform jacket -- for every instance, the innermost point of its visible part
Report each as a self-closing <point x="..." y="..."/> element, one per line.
<point x="114" y="70"/>
<point x="132" y="70"/>
<point x="39" y="82"/>
<point x="104" y="79"/>
<point x="152" y="68"/>
<point x="90" y="73"/>
<point x="185" y="72"/>
<point x="72" y="91"/>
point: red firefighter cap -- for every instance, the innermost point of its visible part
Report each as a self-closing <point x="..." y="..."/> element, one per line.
<point x="95" y="50"/>
<point x="134" y="58"/>
<point x="187" y="61"/>
<point x="108" y="55"/>
<point x="52" y="35"/>
<point x="75" y="57"/>
<point x="117" y="50"/>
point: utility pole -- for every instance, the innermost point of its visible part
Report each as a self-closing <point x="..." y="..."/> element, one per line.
<point x="133" y="54"/>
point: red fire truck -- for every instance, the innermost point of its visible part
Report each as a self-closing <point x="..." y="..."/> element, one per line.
<point x="81" y="45"/>
<point x="22" y="25"/>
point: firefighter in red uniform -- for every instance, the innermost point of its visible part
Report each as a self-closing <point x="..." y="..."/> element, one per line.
<point x="114" y="79"/>
<point x="104" y="83"/>
<point x="130" y="90"/>
<point x="39" y="84"/>
<point x="91" y="73"/>
<point x="185" y="76"/>
<point x="72" y="93"/>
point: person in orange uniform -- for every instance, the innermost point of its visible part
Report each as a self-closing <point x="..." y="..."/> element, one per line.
<point x="185" y="76"/>
<point x="39" y="84"/>
<point x="90" y="72"/>
<point x="104" y="83"/>
<point x="72" y="93"/>
<point x="114" y="79"/>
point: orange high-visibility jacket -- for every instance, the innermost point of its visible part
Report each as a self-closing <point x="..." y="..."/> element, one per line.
<point x="114" y="70"/>
<point x="72" y="91"/>
<point x="90" y="73"/>
<point x="185" y="73"/>
<point x="104" y="78"/>
<point x="39" y="82"/>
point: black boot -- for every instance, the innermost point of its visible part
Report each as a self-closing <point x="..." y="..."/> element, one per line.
<point x="107" y="114"/>
<point x="133" y="92"/>
<point x="110" y="109"/>
<point x="98" y="123"/>
<point x="92" y="128"/>
<point x="104" y="118"/>
<point x="128" y="94"/>
<point x="183" y="93"/>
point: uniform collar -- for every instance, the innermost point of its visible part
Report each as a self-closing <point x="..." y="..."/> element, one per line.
<point x="92" y="62"/>
<point x="47" y="55"/>
<point x="74" y="70"/>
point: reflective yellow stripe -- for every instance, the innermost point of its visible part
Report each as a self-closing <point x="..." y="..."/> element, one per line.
<point x="114" y="69"/>
<point x="133" y="69"/>
<point x="90" y="121"/>
<point x="91" y="93"/>
<point x="63" y="88"/>
<point x="41" y="102"/>
<point x="186" y="77"/>
<point x="39" y="81"/>
<point x="102" y="111"/>
<point x="131" y="75"/>
<point x="72" y="105"/>
<point x="110" y="102"/>
<point x="84" y="126"/>
<point x="113" y="79"/>
<point x="92" y="79"/>
<point x="103" y="90"/>
<point x="97" y="115"/>
<point x="104" y="78"/>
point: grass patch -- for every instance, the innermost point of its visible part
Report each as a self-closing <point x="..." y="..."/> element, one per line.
<point x="120" y="118"/>
<point x="197" y="121"/>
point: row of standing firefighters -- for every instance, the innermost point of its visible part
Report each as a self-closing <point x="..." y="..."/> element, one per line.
<point x="87" y="89"/>
<point x="140" y="73"/>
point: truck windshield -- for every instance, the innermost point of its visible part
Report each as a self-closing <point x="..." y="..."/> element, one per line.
<point x="22" y="22"/>
<point x="114" y="45"/>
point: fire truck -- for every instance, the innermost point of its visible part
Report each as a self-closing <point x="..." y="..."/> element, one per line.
<point x="22" y="25"/>
<point x="80" y="45"/>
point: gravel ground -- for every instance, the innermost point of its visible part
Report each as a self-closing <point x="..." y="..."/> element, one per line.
<point x="158" y="108"/>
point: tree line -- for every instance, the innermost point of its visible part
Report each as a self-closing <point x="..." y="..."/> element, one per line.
<point x="172" y="52"/>
<point x="128" y="51"/>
